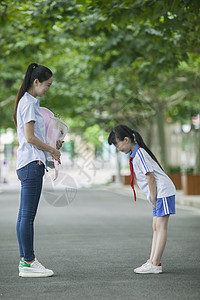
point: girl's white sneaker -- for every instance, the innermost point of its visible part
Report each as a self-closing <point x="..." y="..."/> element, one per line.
<point x="35" y="269"/>
<point x="146" y="263"/>
<point x="149" y="269"/>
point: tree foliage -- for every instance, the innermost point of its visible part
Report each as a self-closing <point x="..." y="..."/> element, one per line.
<point x="113" y="61"/>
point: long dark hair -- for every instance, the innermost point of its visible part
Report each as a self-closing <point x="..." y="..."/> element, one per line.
<point x="122" y="131"/>
<point x="34" y="71"/>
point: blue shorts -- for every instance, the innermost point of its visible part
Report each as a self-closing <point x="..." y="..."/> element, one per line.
<point x="165" y="206"/>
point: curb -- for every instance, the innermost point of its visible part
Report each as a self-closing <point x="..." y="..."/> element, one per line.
<point x="181" y="199"/>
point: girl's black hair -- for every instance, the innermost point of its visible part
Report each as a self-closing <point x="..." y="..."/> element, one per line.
<point x="34" y="71"/>
<point x="122" y="131"/>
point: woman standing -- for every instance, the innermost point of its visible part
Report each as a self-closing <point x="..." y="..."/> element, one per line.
<point x="31" y="162"/>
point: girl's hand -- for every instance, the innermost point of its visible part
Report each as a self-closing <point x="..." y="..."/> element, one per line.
<point x="152" y="187"/>
<point x="59" y="144"/>
<point x="56" y="155"/>
<point x="154" y="202"/>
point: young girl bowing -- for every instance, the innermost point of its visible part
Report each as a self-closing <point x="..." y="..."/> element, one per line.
<point x="157" y="186"/>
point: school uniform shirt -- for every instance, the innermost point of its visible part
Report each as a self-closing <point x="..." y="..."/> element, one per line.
<point x="143" y="163"/>
<point x="29" y="110"/>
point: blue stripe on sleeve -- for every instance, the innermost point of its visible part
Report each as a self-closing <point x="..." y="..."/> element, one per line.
<point x="143" y="160"/>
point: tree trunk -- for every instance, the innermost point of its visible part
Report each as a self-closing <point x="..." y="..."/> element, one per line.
<point x="118" y="176"/>
<point x="197" y="151"/>
<point x="161" y="134"/>
<point x="149" y="133"/>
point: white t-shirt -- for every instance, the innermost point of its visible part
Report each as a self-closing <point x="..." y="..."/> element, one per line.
<point x="29" y="110"/>
<point x="143" y="163"/>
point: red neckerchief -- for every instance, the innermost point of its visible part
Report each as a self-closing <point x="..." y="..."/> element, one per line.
<point x="132" y="176"/>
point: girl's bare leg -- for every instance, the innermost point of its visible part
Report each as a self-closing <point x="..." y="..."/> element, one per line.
<point x="160" y="239"/>
<point x="154" y="239"/>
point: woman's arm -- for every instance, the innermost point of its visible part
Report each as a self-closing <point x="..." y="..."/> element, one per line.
<point x="152" y="187"/>
<point x="33" y="140"/>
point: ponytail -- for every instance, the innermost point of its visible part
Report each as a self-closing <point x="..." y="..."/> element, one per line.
<point x="141" y="143"/>
<point x="122" y="131"/>
<point x="34" y="71"/>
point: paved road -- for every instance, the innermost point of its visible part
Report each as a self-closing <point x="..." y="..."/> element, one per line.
<point x="93" y="244"/>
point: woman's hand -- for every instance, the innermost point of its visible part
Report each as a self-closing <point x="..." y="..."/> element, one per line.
<point x="56" y="155"/>
<point x="59" y="144"/>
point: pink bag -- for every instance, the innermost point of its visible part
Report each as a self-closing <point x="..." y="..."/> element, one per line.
<point x="56" y="130"/>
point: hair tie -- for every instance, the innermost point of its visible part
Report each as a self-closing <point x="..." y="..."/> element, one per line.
<point x="135" y="141"/>
<point x="35" y="66"/>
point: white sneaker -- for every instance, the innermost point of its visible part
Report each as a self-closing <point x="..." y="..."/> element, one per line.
<point x="34" y="269"/>
<point x="146" y="263"/>
<point x="149" y="269"/>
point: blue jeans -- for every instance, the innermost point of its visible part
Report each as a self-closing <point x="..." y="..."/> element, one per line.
<point x="31" y="177"/>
